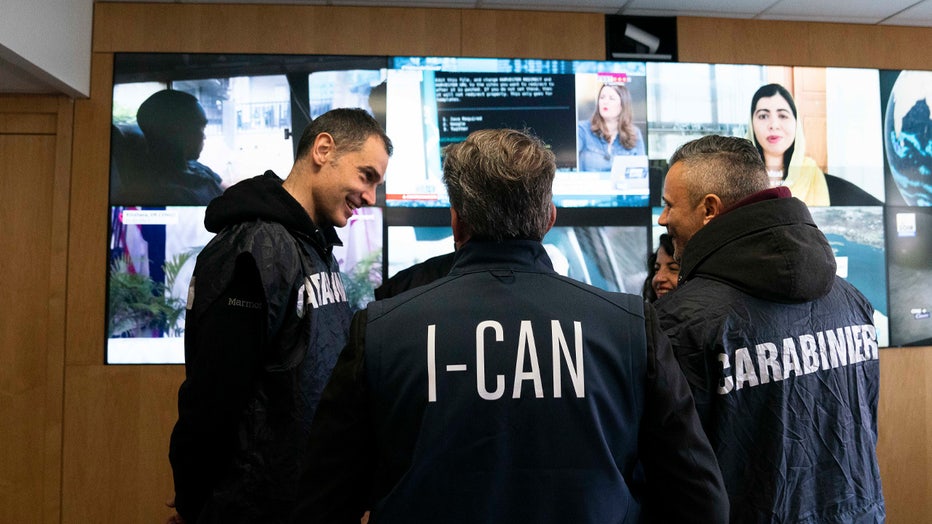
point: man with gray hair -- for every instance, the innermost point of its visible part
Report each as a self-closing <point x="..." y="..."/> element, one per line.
<point x="505" y="392"/>
<point x="780" y="353"/>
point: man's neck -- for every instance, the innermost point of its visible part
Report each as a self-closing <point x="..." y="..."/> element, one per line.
<point x="296" y="185"/>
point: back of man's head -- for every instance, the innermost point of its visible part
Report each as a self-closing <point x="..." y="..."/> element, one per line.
<point x="727" y="166"/>
<point x="349" y="127"/>
<point x="500" y="183"/>
<point x="169" y="113"/>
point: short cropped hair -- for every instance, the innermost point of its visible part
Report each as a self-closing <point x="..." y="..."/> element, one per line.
<point x="500" y="182"/>
<point x="349" y="127"/>
<point x="168" y="112"/>
<point x="727" y="166"/>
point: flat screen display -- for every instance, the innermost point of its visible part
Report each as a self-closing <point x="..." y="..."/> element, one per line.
<point x="610" y="257"/>
<point x="152" y="256"/>
<point x="856" y="235"/>
<point x="186" y="127"/>
<point x="835" y="133"/>
<point x="858" y="147"/>
<point x="436" y="101"/>
<point x="909" y="251"/>
<point x="907" y="136"/>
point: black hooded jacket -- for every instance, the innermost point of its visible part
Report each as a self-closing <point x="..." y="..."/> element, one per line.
<point x="267" y="316"/>
<point x="782" y="358"/>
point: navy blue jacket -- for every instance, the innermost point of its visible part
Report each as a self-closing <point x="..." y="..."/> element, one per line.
<point x="782" y="358"/>
<point x="267" y="316"/>
<point x="507" y="393"/>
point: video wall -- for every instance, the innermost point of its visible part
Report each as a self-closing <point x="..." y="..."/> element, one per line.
<point x="857" y="147"/>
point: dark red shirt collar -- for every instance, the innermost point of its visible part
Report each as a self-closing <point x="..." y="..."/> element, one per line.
<point x="760" y="196"/>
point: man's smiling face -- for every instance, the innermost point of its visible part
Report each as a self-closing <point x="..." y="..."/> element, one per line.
<point x="348" y="181"/>
<point x="681" y="215"/>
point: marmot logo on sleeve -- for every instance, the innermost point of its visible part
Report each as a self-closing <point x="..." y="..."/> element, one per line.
<point x="801" y="355"/>
<point x="248" y="304"/>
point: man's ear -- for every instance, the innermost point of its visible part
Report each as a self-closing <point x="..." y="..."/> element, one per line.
<point x="460" y="231"/>
<point x="323" y="149"/>
<point x="712" y="207"/>
<point x="553" y="216"/>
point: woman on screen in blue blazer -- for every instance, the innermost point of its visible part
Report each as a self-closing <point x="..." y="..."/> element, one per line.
<point x="610" y="132"/>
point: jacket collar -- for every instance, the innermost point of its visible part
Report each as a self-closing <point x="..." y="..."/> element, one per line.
<point x="480" y="255"/>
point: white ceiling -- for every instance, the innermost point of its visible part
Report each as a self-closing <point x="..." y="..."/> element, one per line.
<point x="15" y="78"/>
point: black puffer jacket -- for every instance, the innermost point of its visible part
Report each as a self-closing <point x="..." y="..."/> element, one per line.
<point x="267" y="317"/>
<point x="782" y="357"/>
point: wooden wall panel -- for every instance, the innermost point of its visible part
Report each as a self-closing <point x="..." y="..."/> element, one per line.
<point x="535" y="34"/>
<point x="88" y="232"/>
<point x="58" y="319"/>
<point x="35" y="153"/>
<point x="119" y="419"/>
<point x="243" y="28"/>
<point x="740" y="41"/>
<point x="905" y="427"/>
<point x="27" y="123"/>
<point x="27" y="161"/>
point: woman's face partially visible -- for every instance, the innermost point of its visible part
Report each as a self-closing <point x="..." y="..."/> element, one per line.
<point x="774" y="125"/>
<point x="666" y="273"/>
<point x="609" y="104"/>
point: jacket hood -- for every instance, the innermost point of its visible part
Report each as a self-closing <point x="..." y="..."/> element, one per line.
<point x="264" y="198"/>
<point x="770" y="249"/>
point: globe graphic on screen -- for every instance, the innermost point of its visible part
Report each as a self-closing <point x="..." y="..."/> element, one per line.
<point x="908" y="136"/>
